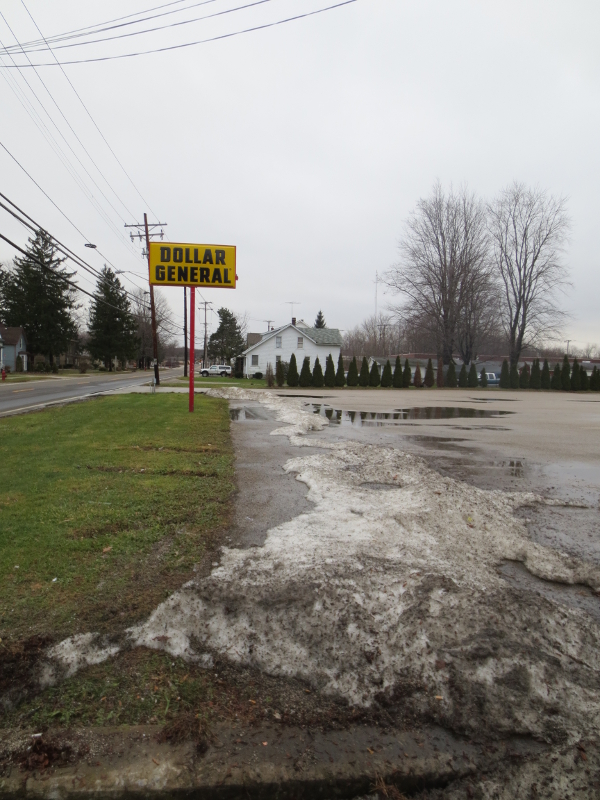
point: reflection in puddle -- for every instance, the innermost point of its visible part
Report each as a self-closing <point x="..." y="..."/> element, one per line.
<point x="339" y="417"/>
<point x="247" y="413"/>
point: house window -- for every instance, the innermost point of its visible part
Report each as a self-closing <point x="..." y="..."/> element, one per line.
<point x="300" y="342"/>
<point x="278" y="341"/>
<point x="255" y="361"/>
<point x="277" y="359"/>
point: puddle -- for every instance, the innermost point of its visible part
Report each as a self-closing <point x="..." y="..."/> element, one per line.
<point x="247" y="413"/>
<point x="398" y="415"/>
<point x="574" y="596"/>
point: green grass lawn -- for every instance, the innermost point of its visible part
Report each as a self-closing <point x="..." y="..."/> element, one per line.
<point x="215" y="381"/>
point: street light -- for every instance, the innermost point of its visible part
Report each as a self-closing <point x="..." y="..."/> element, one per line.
<point x="89" y="244"/>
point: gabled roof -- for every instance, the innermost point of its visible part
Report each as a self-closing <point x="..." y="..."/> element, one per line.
<point x="320" y="336"/>
<point x="11" y="336"/>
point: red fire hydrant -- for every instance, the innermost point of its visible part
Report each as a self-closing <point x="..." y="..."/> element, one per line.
<point x="3" y="374"/>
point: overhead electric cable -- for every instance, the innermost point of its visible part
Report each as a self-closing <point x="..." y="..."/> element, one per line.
<point x="192" y="44"/>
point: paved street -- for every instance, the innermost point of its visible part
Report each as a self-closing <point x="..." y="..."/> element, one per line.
<point x="29" y="395"/>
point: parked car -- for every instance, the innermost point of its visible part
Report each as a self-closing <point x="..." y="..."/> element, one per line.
<point x="492" y="379"/>
<point x="223" y="370"/>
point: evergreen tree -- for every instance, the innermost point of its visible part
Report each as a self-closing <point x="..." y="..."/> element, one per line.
<point x="565" y="375"/>
<point x="575" y="377"/>
<point x="320" y="321"/>
<point x="406" y="375"/>
<point x="418" y="380"/>
<point x="584" y="379"/>
<point x="439" y="378"/>
<point x="112" y="328"/>
<point x="595" y="380"/>
<point x="37" y="295"/>
<point x="545" y="377"/>
<point x="472" y="381"/>
<point x="429" y="376"/>
<point x="397" y="379"/>
<point x="386" y="377"/>
<point x="329" y="372"/>
<point x="292" y="376"/>
<point x="305" y="373"/>
<point x="363" y="378"/>
<point x="451" y="376"/>
<point x="279" y="373"/>
<point x="340" y="377"/>
<point x="462" y="377"/>
<point x="515" y="378"/>
<point x="353" y="373"/>
<point x="317" y="375"/>
<point x="524" y="377"/>
<point x="535" y="379"/>
<point x="227" y="341"/>
<point x="483" y="381"/>
<point x="556" y="382"/>
<point x="374" y="379"/>
<point x="505" y="376"/>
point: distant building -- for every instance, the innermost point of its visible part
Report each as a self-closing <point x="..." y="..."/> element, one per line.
<point x="13" y="343"/>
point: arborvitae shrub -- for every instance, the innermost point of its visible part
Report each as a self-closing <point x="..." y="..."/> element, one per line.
<point x="565" y="375"/>
<point x="505" y="376"/>
<point x="406" y="375"/>
<point x="386" y="376"/>
<point x="545" y="376"/>
<point x="279" y="374"/>
<point x="353" y="373"/>
<point x="451" y="376"/>
<point x="575" y="378"/>
<point x="397" y="379"/>
<point x="317" y="376"/>
<point x="305" y="374"/>
<point x="584" y="379"/>
<point x="472" y="381"/>
<point x="439" y="378"/>
<point x="524" y="377"/>
<point x="363" y="378"/>
<point x="463" y="377"/>
<point x="483" y="378"/>
<point x="514" y="377"/>
<point x="374" y="379"/>
<point x="292" y="376"/>
<point x="535" y="379"/>
<point x="340" y="376"/>
<point x="418" y="380"/>
<point x="329" y="372"/>
<point x="429" y="376"/>
<point x="595" y="386"/>
<point x="556" y="382"/>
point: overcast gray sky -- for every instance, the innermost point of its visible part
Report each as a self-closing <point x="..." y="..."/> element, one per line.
<point x="307" y="144"/>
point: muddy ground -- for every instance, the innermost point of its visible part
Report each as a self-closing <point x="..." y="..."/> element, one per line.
<point x="418" y="597"/>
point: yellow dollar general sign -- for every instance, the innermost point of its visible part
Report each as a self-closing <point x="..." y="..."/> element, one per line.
<point x="173" y="264"/>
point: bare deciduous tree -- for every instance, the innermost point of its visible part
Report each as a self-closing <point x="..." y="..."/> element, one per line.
<point x="529" y="230"/>
<point x="444" y="252"/>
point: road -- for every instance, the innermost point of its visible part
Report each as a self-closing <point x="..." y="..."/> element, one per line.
<point x="16" y="397"/>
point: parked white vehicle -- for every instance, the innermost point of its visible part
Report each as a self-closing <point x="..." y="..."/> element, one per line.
<point x="223" y="370"/>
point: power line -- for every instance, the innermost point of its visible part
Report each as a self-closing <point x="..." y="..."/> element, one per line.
<point x="192" y="44"/>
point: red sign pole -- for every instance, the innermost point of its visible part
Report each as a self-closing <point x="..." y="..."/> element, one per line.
<point x="192" y="326"/>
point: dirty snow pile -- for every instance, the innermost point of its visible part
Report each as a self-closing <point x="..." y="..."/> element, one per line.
<point x="388" y="591"/>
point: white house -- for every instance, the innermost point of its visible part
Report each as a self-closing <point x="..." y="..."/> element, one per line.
<point x="297" y="337"/>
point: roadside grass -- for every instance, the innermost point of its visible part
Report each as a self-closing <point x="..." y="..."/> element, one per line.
<point x="105" y="508"/>
<point x="199" y="382"/>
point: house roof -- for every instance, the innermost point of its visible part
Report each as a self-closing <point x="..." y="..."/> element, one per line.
<point x="320" y="336"/>
<point x="11" y="336"/>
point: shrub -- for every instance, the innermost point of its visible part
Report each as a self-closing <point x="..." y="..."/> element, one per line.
<point x="535" y="379"/>
<point x="55" y="368"/>
<point x="340" y="378"/>
<point x="439" y="378"/>
<point x="258" y="376"/>
<point x="575" y="377"/>
<point x="386" y="377"/>
<point x="374" y="379"/>
<point x="329" y="379"/>
<point x="84" y="366"/>
<point x="524" y="377"/>
<point x="595" y="380"/>
<point x="292" y="376"/>
<point x="353" y="373"/>
<point x="305" y="374"/>
<point x="462" y="377"/>
<point x="269" y="375"/>
<point x="363" y="378"/>
<point x="483" y="382"/>
<point x="505" y="376"/>
<point x="418" y="380"/>
<point x="565" y="375"/>
<point x="279" y="373"/>
<point x="19" y="364"/>
<point x="584" y="379"/>
<point x="514" y="377"/>
<point x="406" y="375"/>
<point x="545" y="376"/>
<point x="556" y="382"/>
<point x="472" y="381"/>
<point x="451" y="376"/>
<point x="429" y="376"/>
<point x="397" y="379"/>
<point x="317" y="376"/>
